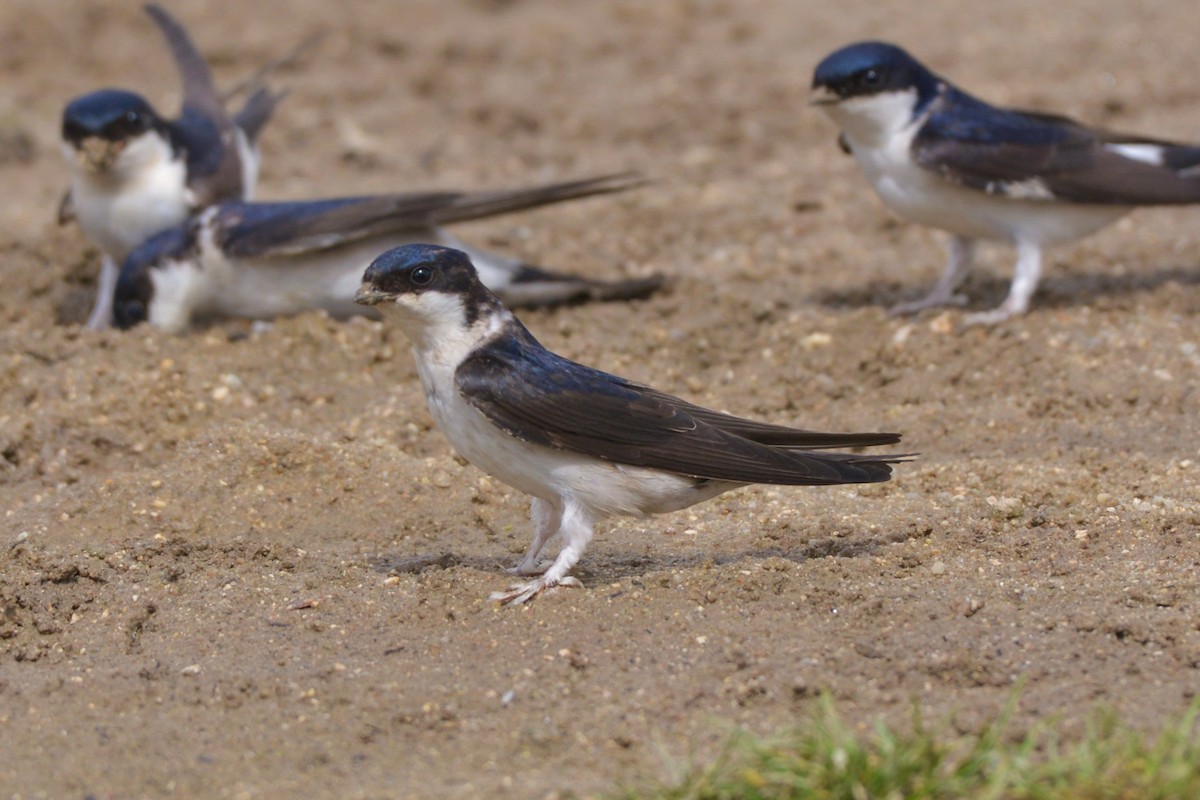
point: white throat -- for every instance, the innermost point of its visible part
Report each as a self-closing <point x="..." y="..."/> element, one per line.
<point x="874" y="121"/>
<point x="436" y="323"/>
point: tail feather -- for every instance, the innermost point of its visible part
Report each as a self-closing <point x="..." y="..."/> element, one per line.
<point x="1182" y="159"/>
<point x="786" y="438"/>
<point x="535" y="287"/>
<point x="839" y="468"/>
<point x="477" y="205"/>
<point x="257" y="111"/>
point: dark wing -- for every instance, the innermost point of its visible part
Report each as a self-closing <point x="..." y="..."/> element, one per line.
<point x="478" y="205"/>
<point x="198" y="89"/>
<point x="275" y="229"/>
<point x="782" y="435"/>
<point x="1037" y="156"/>
<point x="282" y="229"/>
<point x="203" y="130"/>
<point x="545" y="399"/>
<point x="257" y="111"/>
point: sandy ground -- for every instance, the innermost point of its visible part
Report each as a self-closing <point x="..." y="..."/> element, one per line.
<point x="243" y="564"/>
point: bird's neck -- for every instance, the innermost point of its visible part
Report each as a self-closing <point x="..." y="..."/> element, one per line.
<point x="443" y="330"/>
<point x="874" y="122"/>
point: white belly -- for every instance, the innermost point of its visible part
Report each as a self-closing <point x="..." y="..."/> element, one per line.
<point x="119" y="221"/>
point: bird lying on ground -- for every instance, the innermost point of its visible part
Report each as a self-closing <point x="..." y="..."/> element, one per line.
<point x="264" y="260"/>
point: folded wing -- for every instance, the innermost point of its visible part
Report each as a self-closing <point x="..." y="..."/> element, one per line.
<point x="278" y="229"/>
<point x="546" y="399"/>
<point x="1035" y="156"/>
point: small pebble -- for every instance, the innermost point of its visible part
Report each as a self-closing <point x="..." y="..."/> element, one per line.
<point x="942" y="324"/>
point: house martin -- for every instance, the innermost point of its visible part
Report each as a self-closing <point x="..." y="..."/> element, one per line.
<point x="134" y="173"/>
<point x="940" y="157"/>
<point x="264" y="260"/>
<point x="584" y="444"/>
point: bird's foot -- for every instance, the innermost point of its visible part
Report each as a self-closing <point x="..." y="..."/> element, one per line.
<point x="520" y="593"/>
<point x="935" y="300"/>
<point x="101" y="317"/>
<point x="993" y="317"/>
<point x="532" y="568"/>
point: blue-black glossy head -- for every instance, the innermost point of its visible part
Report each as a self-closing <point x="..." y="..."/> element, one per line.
<point x="416" y="269"/>
<point x="870" y="68"/>
<point x="425" y="269"/>
<point x="111" y="114"/>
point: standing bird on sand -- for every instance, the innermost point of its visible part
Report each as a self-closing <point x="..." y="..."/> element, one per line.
<point x="585" y="444"/>
<point x="940" y="157"/>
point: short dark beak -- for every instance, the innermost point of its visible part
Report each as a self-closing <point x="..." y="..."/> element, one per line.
<point x="368" y="295"/>
<point x="822" y="96"/>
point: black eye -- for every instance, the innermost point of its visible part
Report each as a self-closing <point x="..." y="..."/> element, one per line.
<point x="420" y="276"/>
<point x="871" y="78"/>
<point x="129" y="124"/>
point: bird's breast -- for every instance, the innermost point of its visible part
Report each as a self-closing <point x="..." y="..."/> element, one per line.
<point x="120" y="215"/>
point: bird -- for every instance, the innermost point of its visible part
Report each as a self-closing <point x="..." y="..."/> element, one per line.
<point x="943" y="158"/>
<point x="584" y="444"/>
<point x="134" y="173"/>
<point x="264" y="260"/>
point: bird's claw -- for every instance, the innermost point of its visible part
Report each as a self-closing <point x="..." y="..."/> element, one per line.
<point x="536" y="568"/>
<point x="932" y="301"/>
<point x="520" y="593"/>
<point x="993" y="317"/>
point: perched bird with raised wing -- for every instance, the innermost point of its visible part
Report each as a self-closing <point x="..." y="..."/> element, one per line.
<point x="940" y="157"/>
<point x="264" y="260"/>
<point x="134" y="173"/>
<point x="584" y="444"/>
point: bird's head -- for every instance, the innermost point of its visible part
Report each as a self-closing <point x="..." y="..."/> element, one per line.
<point x="159" y="282"/>
<point x="430" y="289"/>
<point x="100" y="128"/>
<point x="872" y="87"/>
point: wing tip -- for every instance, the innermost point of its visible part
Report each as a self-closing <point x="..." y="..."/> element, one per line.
<point x="849" y="468"/>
